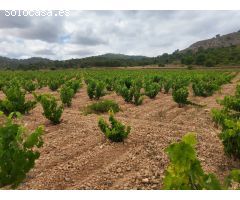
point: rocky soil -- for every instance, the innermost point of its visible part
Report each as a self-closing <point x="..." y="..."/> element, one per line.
<point x="76" y="155"/>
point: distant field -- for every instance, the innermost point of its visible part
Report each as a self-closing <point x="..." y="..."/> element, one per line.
<point x="179" y="67"/>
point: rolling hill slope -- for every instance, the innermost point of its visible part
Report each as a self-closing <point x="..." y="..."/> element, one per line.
<point x="220" y="50"/>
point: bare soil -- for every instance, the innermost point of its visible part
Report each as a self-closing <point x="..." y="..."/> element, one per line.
<point x="76" y="154"/>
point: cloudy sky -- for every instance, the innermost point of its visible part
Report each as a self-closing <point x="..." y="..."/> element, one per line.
<point x="87" y="33"/>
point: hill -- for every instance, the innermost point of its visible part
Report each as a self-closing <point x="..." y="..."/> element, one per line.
<point x="21" y="63"/>
<point x="231" y="39"/>
<point x="122" y="56"/>
<point x="217" y="51"/>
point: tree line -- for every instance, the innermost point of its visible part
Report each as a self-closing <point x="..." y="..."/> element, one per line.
<point x="210" y="57"/>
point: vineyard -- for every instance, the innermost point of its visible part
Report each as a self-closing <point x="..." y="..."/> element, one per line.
<point x="120" y="129"/>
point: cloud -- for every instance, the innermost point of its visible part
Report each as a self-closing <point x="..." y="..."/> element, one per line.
<point x="81" y="53"/>
<point x="44" y="29"/>
<point x="44" y="52"/>
<point x="89" y="40"/>
<point x="7" y="22"/>
<point x="88" y="33"/>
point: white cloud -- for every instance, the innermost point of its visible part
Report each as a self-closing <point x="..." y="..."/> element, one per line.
<point x="87" y="33"/>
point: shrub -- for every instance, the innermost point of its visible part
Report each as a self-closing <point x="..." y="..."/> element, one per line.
<point x="126" y="93"/>
<point x="52" y="110"/>
<point x="74" y="84"/>
<point x="167" y="86"/>
<point x="99" y="90"/>
<point x="179" y="83"/>
<point x="137" y="96"/>
<point x="116" y="132"/>
<point x="156" y="79"/>
<point x="109" y="84"/>
<point x="18" y="152"/>
<point x="102" y="107"/>
<point x="189" y="67"/>
<point x="180" y="96"/>
<point x="233" y="177"/>
<point x="15" y="101"/>
<point x="66" y="95"/>
<point x="127" y="82"/>
<point x="188" y="60"/>
<point x="231" y="138"/>
<point x="200" y="59"/>
<point x="91" y="89"/>
<point x="95" y="90"/>
<point x="237" y="92"/>
<point x="231" y="103"/>
<point x="132" y="94"/>
<point x="152" y="89"/>
<point x="184" y="171"/>
<point x="54" y="84"/>
<point x="203" y="88"/>
<point x="209" y="63"/>
<point x="161" y="65"/>
<point x="29" y="86"/>
<point x="228" y="117"/>
<point x="230" y="110"/>
<point x="41" y="83"/>
<point x="219" y="116"/>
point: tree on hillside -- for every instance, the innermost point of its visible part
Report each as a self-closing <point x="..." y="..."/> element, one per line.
<point x="200" y="59"/>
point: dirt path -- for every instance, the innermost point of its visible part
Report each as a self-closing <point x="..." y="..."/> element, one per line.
<point x="76" y="155"/>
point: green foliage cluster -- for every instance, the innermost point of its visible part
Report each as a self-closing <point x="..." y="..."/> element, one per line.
<point x="167" y="86"/>
<point x="230" y="138"/>
<point x="18" y="151"/>
<point x="157" y="79"/>
<point x="152" y="89"/>
<point x="207" y="85"/>
<point x="203" y="88"/>
<point x="29" y="86"/>
<point x="54" y="84"/>
<point x="95" y="89"/>
<point x="211" y="57"/>
<point x="51" y="109"/>
<point x="131" y="92"/>
<point x="116" y="132"/>
<point x="74" y="84"/>
<point x="229" y="119"/>
<point x="185" y="171"/>
<point x="15" y="101"/>
<point x="179" y="82"/>
<point x="132" y="85"/>
<point x="180" y="96"/>
<point x="102" y="107"/>
<point x="161" y="65"/>
<point x="41" y="82"/>
<point x="66" y="95"/>
<point x="109" y="84"/>
<point x="237" y="92"/>
<point x="189" y="67"/>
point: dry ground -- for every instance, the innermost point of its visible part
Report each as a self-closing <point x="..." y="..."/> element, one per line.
<point x="76" y="155"/>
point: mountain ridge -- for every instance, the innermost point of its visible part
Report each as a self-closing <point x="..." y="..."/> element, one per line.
<point x="117" y="59"/>
<point x="218" y="41"/>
